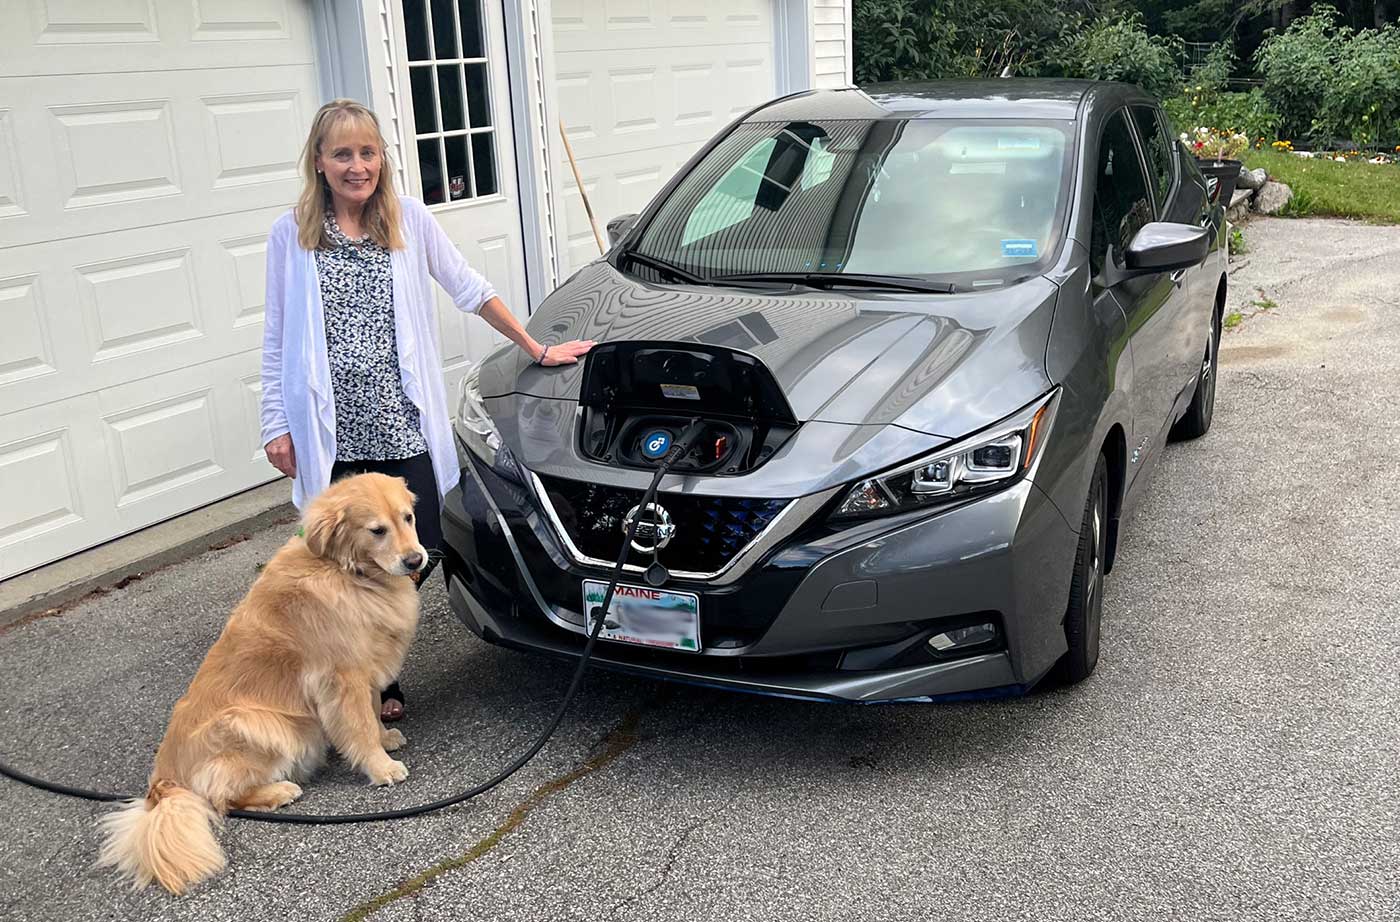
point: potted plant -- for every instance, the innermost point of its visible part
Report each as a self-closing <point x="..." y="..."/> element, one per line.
<point x="1216" y="153"/>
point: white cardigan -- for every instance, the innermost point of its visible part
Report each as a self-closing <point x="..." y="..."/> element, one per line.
<point x="296" y="378"/>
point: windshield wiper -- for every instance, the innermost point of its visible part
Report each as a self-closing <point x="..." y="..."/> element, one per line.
<point x="843" y="280"/>
<point x="660" y="265"/>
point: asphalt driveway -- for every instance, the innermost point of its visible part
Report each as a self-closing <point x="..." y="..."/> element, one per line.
<point x="1236" y="756"/>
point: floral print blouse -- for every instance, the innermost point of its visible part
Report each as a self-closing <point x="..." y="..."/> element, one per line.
<point x="374" y="419"/>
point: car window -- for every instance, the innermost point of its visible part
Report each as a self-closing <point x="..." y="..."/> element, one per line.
<point x="1158" y="145"/>
<point x="1122" y="204"/>
<point x="979" y="203"/>
<point x="732" y="198"/>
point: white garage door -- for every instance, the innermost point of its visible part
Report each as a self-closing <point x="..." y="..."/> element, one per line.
<point x="642" y="84"/>
<point x="146" y="146"/>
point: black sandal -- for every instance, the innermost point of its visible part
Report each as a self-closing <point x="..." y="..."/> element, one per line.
<point x="395" y="694"/>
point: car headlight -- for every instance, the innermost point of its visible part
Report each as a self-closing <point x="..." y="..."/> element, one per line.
<point x="982" y="463"/>
<point x="474" y="423"/>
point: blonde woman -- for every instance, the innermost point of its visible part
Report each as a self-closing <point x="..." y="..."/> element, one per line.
<point x="351" y="376"/>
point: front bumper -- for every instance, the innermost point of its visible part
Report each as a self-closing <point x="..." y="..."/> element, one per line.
<point x="826" y="614"/>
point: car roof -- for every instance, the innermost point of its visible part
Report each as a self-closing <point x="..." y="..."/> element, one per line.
<point x="1011" y="98"/>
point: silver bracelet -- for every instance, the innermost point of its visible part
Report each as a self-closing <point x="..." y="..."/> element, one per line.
<point x="544" y="353"/>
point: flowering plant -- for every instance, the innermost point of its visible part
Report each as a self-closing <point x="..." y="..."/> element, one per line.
<point x="1215" y="144"/>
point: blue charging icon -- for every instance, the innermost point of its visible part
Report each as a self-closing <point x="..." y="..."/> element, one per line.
<point x="655" y="444"/>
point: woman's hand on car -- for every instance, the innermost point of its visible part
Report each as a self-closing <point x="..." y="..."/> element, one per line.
<point x="282" y="455"/>
<point x="567" y="353"/>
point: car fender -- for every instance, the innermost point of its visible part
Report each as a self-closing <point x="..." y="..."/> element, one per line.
<point x="1089" y="356"/>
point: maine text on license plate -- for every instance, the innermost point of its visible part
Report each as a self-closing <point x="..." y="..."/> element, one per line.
<point x="650" y="617"/>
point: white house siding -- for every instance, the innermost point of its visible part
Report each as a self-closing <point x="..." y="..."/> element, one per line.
<point x="831" y="43"/>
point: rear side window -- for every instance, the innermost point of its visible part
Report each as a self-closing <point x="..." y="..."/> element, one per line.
<point x="1122" y="204"/>
<point x="1159" y="150"/>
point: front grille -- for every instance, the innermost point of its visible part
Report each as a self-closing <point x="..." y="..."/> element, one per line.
<point x="710" y="530"/>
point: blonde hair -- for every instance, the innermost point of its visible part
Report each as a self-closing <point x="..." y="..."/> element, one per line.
<point x="383" y="219"/>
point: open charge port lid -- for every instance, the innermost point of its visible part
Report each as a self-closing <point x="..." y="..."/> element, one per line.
<point x="685" y="379"/>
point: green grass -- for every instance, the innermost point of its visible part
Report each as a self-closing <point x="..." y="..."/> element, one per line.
<point x="1265" y="303"/>
<point x="1368" y="191"/>
<point x="1237" y="245"/>
<point x="1233" y="319"/>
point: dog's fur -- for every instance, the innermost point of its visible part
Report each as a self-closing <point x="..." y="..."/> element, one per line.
<point x="299" y="664"/>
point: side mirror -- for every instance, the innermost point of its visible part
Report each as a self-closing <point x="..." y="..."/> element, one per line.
<point x="1162" y="247"/>
<point x="619" y="227"/>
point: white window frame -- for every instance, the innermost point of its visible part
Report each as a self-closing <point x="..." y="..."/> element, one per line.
<point x="409" y="115"/>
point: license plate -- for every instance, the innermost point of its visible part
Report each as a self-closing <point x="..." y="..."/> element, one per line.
<point x="644" y="616"/>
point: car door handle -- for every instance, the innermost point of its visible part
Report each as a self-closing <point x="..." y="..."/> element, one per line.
<point x="1178" y="277"/>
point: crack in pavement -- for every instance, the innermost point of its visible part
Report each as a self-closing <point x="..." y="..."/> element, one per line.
<point x="1330" y="269"/>
<point x="672" y="855"/>
<point x="622" y="738"/>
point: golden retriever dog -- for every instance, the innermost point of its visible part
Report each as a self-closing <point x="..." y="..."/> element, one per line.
<point x="298" y="665"/>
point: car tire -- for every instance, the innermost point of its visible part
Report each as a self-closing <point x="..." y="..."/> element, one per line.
<point x="1196" y="421"/>
<point x="1084" y="616"/>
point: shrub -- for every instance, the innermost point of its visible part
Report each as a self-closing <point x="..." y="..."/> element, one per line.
<point x="929" y="39"/>
<point x="1363" y="95"/>
<point x="1330" y="82"/>
<point x="1120" y="49"/>
<point x="1295" y="65"/>
<point x="900" y="40"/>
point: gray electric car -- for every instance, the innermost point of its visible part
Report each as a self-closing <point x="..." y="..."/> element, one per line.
<point x="935" y="337"/>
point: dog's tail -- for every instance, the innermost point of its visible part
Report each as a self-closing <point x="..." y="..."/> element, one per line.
<point x="168" y="837"/>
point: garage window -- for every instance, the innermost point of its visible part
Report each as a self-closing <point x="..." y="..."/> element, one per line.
<point x="450" y="86"/>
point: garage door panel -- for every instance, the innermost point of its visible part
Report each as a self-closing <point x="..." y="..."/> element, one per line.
<point x="250" y="396"/>
<point x="115" y="152"/>
<point x="255" y="137"/>
<point x="57" y="495"/>
<point x="11" y="198"/>
<point x="26" y="349"/>
<point x="608" y="107"/>
<point x="139" y="303"/>
<point x="176" y="441"/>
<point x="134" y="153"/>
<point x="103" y="36"/>
<point x="627" y="25"/>
<point x="245" y="268"/>
<point x="159" y="447"/>
<point x="619" y="184"/>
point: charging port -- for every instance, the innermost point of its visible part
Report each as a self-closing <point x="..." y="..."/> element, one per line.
<point x="638" y="397"/>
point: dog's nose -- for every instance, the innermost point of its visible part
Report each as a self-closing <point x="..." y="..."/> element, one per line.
<point x="413" y="561"/>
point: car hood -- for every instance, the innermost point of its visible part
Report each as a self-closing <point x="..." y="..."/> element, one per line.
<point x="943" y="365"/>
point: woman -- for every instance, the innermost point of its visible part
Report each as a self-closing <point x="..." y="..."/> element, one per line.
<point x="351" y="376"/>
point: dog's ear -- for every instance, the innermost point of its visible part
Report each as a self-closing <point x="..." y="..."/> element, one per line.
<point x="323" y="528"/>
<point x="412" y="497"/>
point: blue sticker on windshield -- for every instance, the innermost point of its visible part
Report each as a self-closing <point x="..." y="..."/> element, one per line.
<point x="1019" y="248"/>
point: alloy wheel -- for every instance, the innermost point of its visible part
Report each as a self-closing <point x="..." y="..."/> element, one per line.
<point x="1093" y="588"/>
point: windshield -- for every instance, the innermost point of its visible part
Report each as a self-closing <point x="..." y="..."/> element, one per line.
<point x="977" y="203"/>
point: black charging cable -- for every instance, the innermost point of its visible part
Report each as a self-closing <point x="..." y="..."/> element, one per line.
<point x="681" y="446"/>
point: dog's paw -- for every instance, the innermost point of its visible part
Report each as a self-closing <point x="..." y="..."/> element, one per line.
<point x="269" y="797"/>
<point x="290" y="789"/>
<point x="391" y="772"/>
<point x="392" y="739"/>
